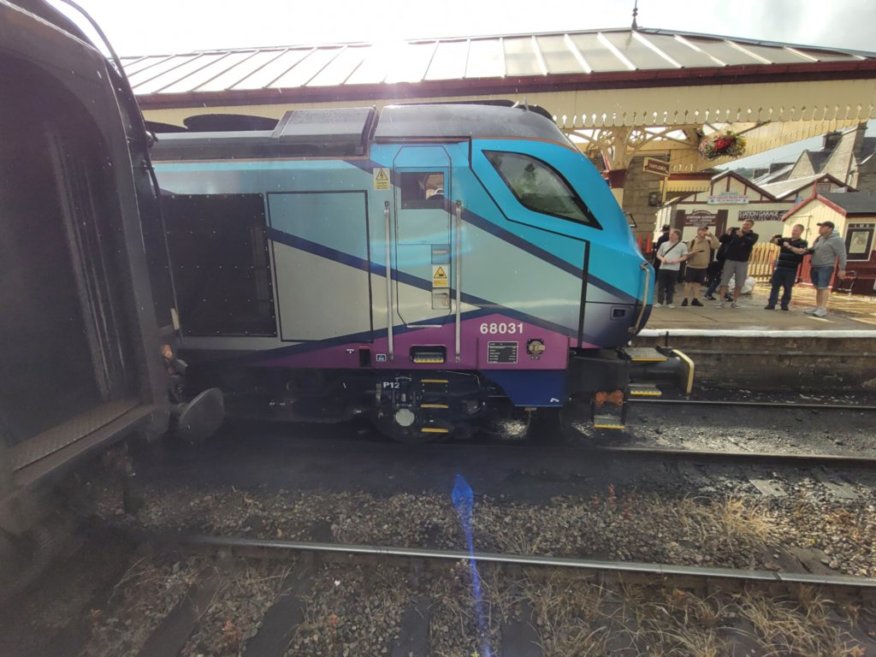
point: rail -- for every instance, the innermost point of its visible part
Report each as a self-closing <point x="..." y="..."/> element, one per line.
<point x="596" y="566"/>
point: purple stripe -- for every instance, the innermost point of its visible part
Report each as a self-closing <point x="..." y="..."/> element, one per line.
<point x="474" y="348"/>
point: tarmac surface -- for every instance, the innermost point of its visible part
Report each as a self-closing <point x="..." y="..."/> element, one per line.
<point x="855" y="313"/>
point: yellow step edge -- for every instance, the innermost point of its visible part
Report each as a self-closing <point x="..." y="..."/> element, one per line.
<point x="608" y="426"/>
<point x="645" y="393"/>
<point x="434" y="406"/>
<point x="434" y="381"/>
<point x="645" y="355"/>
<point x="434" y="430"/>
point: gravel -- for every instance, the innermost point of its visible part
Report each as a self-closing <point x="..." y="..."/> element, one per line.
<point x="246" y="592"/>
<point x="737" y="529"/>
<point x="352" y="610"/>
<point x="354" y="607"/>
<point x="141" y="599"/>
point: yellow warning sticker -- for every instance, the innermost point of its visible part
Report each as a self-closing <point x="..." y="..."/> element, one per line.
<point x="439" y="276"/>
<point x="381" y="179"/>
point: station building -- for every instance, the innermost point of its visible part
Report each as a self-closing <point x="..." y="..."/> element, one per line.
<point x="854" y="218"/>
<point x="731" y="199"/>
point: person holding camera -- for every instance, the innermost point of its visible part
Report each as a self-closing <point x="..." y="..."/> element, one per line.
<point x="739" y="243"/>
<point x="791" y="251"/>
<point x="699" y="254"/>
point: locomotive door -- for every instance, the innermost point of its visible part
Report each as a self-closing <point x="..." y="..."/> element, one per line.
<point x="423" y="236"/>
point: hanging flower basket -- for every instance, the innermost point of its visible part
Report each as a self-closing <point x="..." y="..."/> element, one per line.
<point x="720" y="144"/>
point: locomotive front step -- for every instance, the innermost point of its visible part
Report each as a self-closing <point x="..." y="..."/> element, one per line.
<point x="650" y="366"/>
<point x="645" y="355"/>
<point x="645" y="390"/>
<point x="607" y="421"/>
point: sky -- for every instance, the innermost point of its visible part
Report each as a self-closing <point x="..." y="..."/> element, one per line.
<point x="138" y="27"/>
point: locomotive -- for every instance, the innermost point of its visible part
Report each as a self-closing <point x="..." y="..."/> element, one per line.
<point x="426" y="265"/>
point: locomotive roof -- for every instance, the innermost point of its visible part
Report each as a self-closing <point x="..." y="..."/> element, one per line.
<point x="348" y="131"/>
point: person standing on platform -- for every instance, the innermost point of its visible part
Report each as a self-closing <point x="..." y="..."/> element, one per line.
<point x="791" y="250"/>
<point x="664" y="237"/>
<point x="713" y="273"/>
<point x="739" y="243"/>
<point x="699" y="254"/>
<point x="828" y="253"/>
<point x="670" y="255"/>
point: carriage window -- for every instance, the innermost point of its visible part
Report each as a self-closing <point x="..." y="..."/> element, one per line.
<point x="422" y="189"/>
<point x="540" y="187"/>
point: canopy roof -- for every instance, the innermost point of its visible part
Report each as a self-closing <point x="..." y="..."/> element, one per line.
<point x="660" y="87"/>
<point x="483" y="65"/>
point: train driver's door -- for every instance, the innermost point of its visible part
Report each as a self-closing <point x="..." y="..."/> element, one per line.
<point x="423" y="235"/>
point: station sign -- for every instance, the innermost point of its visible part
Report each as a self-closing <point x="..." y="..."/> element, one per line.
<point x="700" y="218"/>
<point x="761" y="215"/>
<point x="656" y="166"/>
<point x="727" y="198"/>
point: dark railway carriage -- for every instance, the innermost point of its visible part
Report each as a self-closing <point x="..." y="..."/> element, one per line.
<point x="422" y="264"/>
<point x="80" y="358"/>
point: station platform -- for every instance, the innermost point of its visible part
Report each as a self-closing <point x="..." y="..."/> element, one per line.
<point x="762" y="349"/>
<point x="847" y="313"/>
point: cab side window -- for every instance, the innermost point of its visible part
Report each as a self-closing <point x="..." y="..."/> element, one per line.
<point x="421" y="190"/>
<point x="540" y="187"/>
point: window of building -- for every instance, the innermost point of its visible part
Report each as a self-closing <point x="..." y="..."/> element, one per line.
<point x="540" y="187"/>
<point x="859" y="241"/>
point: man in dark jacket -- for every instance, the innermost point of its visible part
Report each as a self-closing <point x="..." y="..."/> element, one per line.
<point x="739" y="243"/>
<point x="787" y="264"/>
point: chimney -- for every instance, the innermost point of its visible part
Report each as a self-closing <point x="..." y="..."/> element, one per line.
<point x="830" y="140"/>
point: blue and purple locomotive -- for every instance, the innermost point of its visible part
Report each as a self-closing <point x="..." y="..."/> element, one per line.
<point x="423" y="264"/>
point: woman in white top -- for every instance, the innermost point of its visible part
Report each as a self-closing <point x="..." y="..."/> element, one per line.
<point x="670" y="254"/>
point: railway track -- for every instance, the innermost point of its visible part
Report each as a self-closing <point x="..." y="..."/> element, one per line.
<point x="602" y="570"/>
<point x="864" y="408"/>
<point x="337" y="599"/>
<point x="743" y="458"/>
<point x="799" y="457"/>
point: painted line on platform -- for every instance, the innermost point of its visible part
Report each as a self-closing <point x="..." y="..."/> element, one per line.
<point x="754" y="333"/>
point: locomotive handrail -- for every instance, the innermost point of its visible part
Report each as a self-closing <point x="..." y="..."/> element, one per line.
<point x="389" y="340"/>
<point x="647" y="269"/>
<point x="458" y="277"/>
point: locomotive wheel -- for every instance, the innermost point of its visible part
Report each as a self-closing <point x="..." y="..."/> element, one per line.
<point x="410" y="435"/>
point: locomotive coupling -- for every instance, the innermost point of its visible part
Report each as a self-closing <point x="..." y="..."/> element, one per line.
<point x="200" y="418"/>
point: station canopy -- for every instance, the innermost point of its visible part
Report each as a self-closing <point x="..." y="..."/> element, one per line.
<point x="617" y="92"/>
